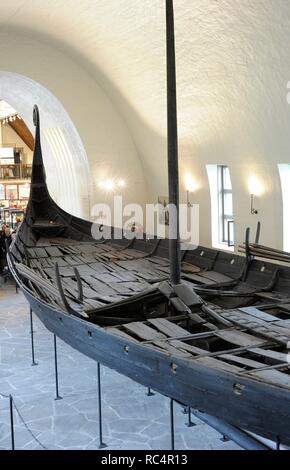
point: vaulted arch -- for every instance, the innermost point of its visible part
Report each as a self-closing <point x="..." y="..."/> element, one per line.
<point x="65" y="157"/>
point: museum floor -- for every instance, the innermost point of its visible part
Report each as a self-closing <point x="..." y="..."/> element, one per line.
<point x="131" y="419"/>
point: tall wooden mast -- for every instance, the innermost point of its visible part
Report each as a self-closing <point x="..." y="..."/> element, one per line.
<point x="172" y="139"/>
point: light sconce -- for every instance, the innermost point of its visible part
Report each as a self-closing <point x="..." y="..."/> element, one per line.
<point x="256" y="188"/>
<point x="190" y="186"/>
<point x="189" y="204"/>
<point x="253" y="210"/>
<point x="107" y="185"/>
<point x="110" y="185"/>
<point x="121" y="184"/>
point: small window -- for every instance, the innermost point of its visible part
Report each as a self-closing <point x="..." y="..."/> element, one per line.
<point x="222" y="220"/>
<point x="225" y="205"/>
<point x="284" y="171"/>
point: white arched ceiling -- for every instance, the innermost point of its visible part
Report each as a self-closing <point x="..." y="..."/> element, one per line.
<point x="233" y="66"/>
<point x="63" y="153"/>
<point x="108" y="144"/>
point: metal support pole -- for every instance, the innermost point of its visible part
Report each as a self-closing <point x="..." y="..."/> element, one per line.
<point x="225" y="439"/>
<point x="190" y="423"/>
<point x="172" y="148"/>
<point x="278" y="443"/>
<point x="33" y="363"/>
<point x="57" y="396"/>
<point x="172" y="423"/>
<point x="149" y="392"/>
<point x="11" y="422"/>
<point x="102" y="444"/>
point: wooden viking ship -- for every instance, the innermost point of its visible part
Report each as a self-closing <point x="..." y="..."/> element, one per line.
<point x="206" y="328"/>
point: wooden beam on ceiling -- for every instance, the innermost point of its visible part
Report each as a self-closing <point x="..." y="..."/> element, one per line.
<point x="23" y="132"/>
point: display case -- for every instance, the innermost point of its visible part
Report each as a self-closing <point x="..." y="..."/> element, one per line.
<point x="11" y="191"/>
<point x="13" y="202"/>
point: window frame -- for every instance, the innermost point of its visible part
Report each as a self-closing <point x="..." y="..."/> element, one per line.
<point x="223" y="218"/>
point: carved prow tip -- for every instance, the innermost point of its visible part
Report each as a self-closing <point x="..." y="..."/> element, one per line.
<point x="36" y="115"/>
<point x="38" y="171"/>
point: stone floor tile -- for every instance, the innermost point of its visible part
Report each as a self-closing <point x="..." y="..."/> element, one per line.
<point x="131" y="420"/>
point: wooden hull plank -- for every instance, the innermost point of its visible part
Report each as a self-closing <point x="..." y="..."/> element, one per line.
<point x="170" y="329"/>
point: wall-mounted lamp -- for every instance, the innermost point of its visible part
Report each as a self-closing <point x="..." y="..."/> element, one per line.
<point x="121" y="183"/>
<point x="190" y="186"/>
<point x="189" y="204"/>
<point x="253" y="210"/>
<point x="107" y="185"/>
<point x="110" y="185"/>
<point x="256" y="188"/>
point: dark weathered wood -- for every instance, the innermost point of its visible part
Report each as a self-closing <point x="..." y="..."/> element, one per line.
<point x="186" y="293"/>
<point x="144" y="332"/>
<point x="272" y="377"/>
<point x="172" y="141"/>
<point x="159" y="334"/>
<point x="53" y="251"/>
<point x="197" y="278"/>
<point x="242" y="361"/>
<point x="179" y="305"/>
<point x="259" y="327"/>
<point x="255" y="312"/>
<point x="190" y="268"/>
<point x="121" y="333"/>
<point x="268" y="353"/>
<point x="258" y="233"/>
<point x="215" y="276"/>
<point x="238" y="337"/>
<point x="169" y="328"/>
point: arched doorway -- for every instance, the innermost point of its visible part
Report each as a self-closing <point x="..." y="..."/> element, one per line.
<point x="64" y="155"/>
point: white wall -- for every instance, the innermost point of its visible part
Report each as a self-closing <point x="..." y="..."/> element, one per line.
<point x="233" y="66"/>
<point x="108" y="145"/>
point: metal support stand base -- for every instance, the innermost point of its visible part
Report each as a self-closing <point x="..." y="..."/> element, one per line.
<point x="225" y="439"/>
<point x="33" y="363"/>
<point x="150" y="393"/>
<point x="57" y="395"/>
<point x="102" y="445"/>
